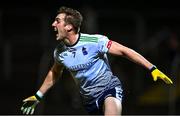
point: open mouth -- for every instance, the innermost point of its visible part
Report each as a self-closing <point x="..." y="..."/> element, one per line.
<point x="56" y="31"/>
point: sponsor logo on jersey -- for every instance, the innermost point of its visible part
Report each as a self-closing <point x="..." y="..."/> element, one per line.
<point x="81" y="66"/>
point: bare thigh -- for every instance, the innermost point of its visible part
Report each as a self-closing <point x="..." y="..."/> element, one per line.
<point x="112" y="106"/>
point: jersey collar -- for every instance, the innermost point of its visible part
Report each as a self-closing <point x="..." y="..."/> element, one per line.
<point x="75" y="42"/>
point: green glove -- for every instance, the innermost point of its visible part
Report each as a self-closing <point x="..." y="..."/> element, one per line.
<point x="157" y="74"/>
<point x="30" y="103"/>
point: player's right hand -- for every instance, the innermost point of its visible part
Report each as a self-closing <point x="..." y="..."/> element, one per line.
<point x="29" y="104"/>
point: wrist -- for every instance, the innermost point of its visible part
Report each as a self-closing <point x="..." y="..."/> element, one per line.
<point x="39" y="95"/>
<point x="152" y="68"/>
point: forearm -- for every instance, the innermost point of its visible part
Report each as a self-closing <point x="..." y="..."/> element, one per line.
<point x="120" y="50"/>
<point x="50" y="80"/>
<point x="48" y="83"/>
<point x="137" y="58"/>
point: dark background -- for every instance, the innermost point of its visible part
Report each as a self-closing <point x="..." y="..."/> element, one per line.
<point x="27" y="42"/>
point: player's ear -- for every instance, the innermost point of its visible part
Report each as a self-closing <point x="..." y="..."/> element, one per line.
<point x="68" y="27"/>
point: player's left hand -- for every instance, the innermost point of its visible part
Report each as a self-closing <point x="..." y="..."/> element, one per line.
<point x="157" y="74"/>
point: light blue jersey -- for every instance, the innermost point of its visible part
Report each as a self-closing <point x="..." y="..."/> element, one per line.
<point x="88" y="63"/>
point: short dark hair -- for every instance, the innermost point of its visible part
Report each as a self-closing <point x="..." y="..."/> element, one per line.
<point x="72" y="17"/>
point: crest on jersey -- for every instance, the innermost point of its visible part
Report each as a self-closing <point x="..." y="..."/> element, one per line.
<point x="84" y="51"/>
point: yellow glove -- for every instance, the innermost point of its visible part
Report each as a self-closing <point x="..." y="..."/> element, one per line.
<point x="30" y="103"/>
<point x="157" y="74"/>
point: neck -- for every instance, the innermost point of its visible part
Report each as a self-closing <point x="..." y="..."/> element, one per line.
<point x="71" y="39"/>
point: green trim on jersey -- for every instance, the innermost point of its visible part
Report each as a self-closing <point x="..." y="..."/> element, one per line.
<point x="88" y="39"/>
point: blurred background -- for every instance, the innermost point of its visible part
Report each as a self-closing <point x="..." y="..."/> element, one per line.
<point x="27" y="42"/>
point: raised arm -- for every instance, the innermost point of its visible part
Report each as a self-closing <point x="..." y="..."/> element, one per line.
<point x="118" y="49"/>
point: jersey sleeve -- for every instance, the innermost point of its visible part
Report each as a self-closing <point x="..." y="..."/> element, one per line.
<point x="57" y="53"/>
<point x="104" y="44"/>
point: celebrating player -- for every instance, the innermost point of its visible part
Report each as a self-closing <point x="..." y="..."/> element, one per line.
<point x="85" y="56"/>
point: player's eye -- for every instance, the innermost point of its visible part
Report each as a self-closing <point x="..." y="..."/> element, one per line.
<point x="57" y="20"/>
